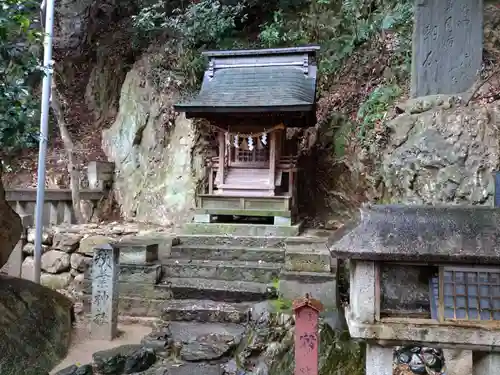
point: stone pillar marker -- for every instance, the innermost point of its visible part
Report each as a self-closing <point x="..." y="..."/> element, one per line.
<point x="306" y="312"/>
<point x="105" y="272"/>
<point x="447" y="46"/>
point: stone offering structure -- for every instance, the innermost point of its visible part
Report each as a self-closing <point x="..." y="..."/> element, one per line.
<point x="447" y="46"/>
<point x="424" y="275"/>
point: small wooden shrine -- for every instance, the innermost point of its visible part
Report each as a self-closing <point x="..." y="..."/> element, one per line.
<point x="250" y="98"/>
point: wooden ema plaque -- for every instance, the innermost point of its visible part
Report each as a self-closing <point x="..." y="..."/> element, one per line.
<point x="306" y="312"/>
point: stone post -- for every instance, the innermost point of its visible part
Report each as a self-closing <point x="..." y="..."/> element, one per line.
<point x="105" y="272"/>
<point x="379" y="360"/>
<point x="485" y="363"/>
<point x="306" y="312"/>
<point x="447" y="46"/>
<point x="100" y="174"/>
<point x="14" y="264"/>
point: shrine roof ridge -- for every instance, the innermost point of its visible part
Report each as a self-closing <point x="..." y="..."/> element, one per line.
<point x="278" y="80"/>
<point x="262" y="52"/>
<point x="456" y="234"/>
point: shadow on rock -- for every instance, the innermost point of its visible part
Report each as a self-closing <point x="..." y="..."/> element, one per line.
<point x="35" y="327"/>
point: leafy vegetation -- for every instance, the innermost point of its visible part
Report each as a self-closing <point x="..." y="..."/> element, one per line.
<point x="19" y="42"/>
<point x="340" y="27"/>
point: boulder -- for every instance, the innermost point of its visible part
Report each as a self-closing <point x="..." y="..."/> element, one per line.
<point x="29" y="248"/>
<point x="55" y="261"/>
<point x="87" y="244"/>
<point x="10" y="227"/>
<point x="47" y="236"/>
<point x="125" y="359"/>
<point x="208" y="347"/>
<point x="76" y="370"/>
<point x="35" y="327"/>
<point x="59" y="281"/>
<point x="80" y="262"/>
<point x="67" y="242"/>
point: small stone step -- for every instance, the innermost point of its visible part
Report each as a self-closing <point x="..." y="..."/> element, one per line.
<point x="138" y="251"/>
<point x="217" y="290"/>
<point x="205" y="311"/>
<point x="221" y="270"/>
<point x="242" y="229"/>
<point x="225" y="252"/>
<point x="203" y="240"/>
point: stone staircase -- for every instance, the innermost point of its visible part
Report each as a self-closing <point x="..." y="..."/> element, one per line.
<point x="217" y="277"/>
<point x="204" y="289"/>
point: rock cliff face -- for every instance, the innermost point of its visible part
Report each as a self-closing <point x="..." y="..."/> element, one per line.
<point x="441" y="151"/>
<point x="10" y="227"/>
<point x="157" y="154"/>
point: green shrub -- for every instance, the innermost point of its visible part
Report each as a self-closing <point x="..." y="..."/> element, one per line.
<point x="18" y="72"/>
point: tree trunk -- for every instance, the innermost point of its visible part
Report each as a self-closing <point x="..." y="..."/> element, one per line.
<point x="74" y="172"/>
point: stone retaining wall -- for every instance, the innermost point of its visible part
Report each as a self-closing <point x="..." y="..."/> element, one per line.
<point x="67" y="251"/>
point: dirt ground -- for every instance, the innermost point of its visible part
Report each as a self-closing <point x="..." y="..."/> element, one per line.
<point x="83" y="346"/>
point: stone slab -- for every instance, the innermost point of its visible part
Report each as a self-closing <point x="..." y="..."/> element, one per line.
<point x="136" y="290"/>
<point x="135" y="273"/>
<point x="133" y="306"/>
<point x="217" y="290"/>
<point x="400" y="333"/>
<point x="242" y="229"/>
<point x="455" y="234"/>
<point x="232" y="240"/>
<point x="138" y="251"/>
<point x="221" y="270"/>
<point x="312" y="257"/>
<point x="321" y="286"/>
<point x="205" y="311"/>
<point x="139" y="273"/>
<point x="379" y="360"/>
<point x="485" y="363"/>
<point x="223" y="252"/>
<point x="447" y="46"/>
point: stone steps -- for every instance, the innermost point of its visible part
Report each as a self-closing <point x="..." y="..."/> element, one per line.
<point x="233" y="241"/>
<point x="260" y="272"/>
<point x="216" y="290"/>
<point x="228" y="252"/>
<point x="242" y="229"/>
<point x="205" y="311"/>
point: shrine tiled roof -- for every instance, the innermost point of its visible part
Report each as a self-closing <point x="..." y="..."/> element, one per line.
<point x="456" y="234"/>
<point x="249" y="82"/>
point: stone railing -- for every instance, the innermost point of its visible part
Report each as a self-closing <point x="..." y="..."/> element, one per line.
<point x="58" y="208"/>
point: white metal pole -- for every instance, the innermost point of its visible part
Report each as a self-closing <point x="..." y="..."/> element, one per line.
<point x="44" y="130"/>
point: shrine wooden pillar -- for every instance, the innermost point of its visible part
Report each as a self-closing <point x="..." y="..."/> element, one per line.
<point x="222" y="156"/>
<point x="272" y="159"/>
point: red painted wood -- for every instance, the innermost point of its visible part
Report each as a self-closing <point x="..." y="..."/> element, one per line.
<point x="306" y="336"/>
